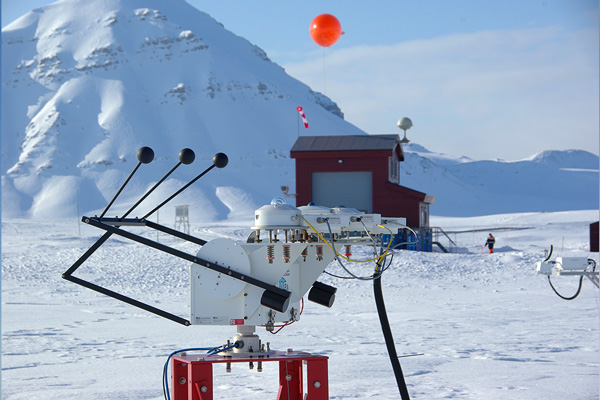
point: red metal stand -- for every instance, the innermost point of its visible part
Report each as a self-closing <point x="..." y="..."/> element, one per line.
<point x="192" y="375"/>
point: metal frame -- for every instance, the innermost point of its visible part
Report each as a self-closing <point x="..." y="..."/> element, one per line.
<point x="192" y="375"/>
<point x="591" y="275"/>
<point x="112" y="226"/>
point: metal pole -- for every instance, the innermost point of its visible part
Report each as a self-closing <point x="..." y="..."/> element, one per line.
<point x="179" y="191"/>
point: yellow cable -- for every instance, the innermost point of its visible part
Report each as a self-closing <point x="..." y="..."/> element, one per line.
<point x="344" y="257"/>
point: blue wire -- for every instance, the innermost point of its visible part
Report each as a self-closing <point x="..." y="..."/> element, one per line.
<point x="214" y="351"/>
<point x="165" y="375"/>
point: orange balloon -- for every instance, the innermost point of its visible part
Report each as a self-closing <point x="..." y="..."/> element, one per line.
<point x="325" y="30"/>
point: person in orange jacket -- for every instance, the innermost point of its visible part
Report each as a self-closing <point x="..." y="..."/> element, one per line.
<point x="490" y="242"/>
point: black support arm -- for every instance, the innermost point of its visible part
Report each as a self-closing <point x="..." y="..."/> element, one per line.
<point x="273" y="296"/>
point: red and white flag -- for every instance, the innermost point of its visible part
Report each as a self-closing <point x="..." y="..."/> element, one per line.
<point x="303" y="116"/>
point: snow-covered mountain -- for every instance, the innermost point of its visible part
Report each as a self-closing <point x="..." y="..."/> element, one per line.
<point x="547" y="181"/>
<point x="85" y="83"/>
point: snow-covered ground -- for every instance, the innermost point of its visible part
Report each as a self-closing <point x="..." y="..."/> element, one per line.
<point x="478" y="326"/>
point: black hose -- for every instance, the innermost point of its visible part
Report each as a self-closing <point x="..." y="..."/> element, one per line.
<point x="590" y="262"/>
<point x="564" y="297"/>
<point x="389" y="339"/>
<point x="549" y="254"/>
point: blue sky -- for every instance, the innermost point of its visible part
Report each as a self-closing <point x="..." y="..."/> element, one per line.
<point x="485" y="79"/>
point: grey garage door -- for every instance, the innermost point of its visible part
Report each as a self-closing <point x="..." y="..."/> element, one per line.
<point x="350" y="189"/>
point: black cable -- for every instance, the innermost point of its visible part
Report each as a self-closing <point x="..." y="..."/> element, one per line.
<point x="372" y="276"/>
<point x="549" y="254"/>
<point x="339" y="277"/>
<point x="337" y="255"/>
<point x="590" y="262"/>
<point x="389" y="339"/>
<point x="567" y="298"/>
<point x="388" y="266"/>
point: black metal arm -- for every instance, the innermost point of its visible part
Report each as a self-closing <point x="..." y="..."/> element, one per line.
<point x="68" y="275"/>
<point x="127" y="300"/>
<point x="274" y="297"/>
<point x="189" y="257"/>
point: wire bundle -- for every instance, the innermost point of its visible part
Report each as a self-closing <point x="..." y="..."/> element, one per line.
<point x="209" y="351"/>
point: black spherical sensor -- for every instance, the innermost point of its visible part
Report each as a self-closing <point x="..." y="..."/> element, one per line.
<point x="145" y="155"/>
<point x="187" y="156"/>
<point x="220" y="160"/>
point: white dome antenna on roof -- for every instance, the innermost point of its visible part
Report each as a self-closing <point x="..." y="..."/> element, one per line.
<point x="404" y="124"/>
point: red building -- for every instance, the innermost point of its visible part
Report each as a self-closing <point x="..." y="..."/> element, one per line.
<point x="594" y="238"/>
<point x="361" y="172"/>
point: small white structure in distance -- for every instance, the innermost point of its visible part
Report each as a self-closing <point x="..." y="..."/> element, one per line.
<point x="182" y="218"/>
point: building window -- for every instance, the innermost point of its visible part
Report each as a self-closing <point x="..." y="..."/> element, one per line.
<point x="394" y="170"/>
